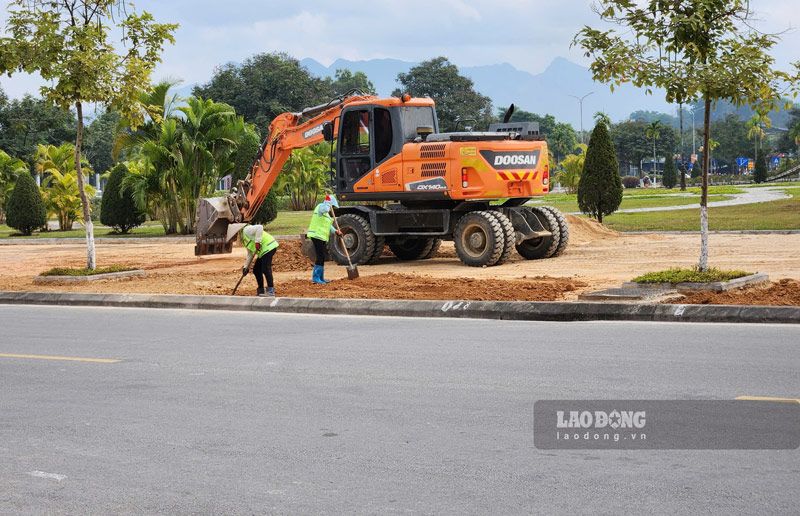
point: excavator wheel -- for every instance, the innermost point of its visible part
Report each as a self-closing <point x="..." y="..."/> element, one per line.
<point x="479" y="239"/>
<point x="437" y="243"/>
<point x="510" y="236"/>
<point x="380" y="244"/>
<point x="542" y="247"/>
<point x="415" y="248"/>
<point x="563" y="228"/>
<point x="357" y="236"/>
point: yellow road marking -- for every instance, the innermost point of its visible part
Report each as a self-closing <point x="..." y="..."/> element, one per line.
<point x="763" y="398"/>
<point x="48" y="357"/>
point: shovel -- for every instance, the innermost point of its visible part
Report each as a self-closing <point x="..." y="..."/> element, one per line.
<point x="238" y="283"/>
<point x="352" y="270"/>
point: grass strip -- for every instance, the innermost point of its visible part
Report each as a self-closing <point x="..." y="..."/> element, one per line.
<point x="69" y="271"/>
<point x="694" y="275"/>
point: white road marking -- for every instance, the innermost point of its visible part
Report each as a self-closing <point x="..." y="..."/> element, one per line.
<point x="42" y="474"/>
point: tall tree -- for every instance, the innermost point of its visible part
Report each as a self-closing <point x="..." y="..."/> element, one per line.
<point x="692" y="49"/>
<point x="28" y="122"/>
<point x="263" y="87"/>
<point x="344" y="80"/>
<point x="69" y="42"/>
<point x="760" y="172"/>
<point x="600" y="187"/>
<point x="99" y="142"/>
<point x="654" y="132"/>
<point x="454" y="94"/>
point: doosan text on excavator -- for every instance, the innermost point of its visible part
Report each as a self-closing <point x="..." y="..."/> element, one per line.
<point x="470" y="187"/>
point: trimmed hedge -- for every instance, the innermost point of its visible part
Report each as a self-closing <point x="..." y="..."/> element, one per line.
<point x="117" y="207"/>
<point x="25" y="209"/>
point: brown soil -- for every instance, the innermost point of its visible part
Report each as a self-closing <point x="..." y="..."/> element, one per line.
<point x="406" y="286"/>
<point x="785" y="292"/>
<point x="596" y="258"/>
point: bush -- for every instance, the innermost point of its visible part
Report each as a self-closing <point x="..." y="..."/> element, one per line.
<point x="760" y="172"/>
<point x="630" y="182"/>
<point x="25" y="208"/>
<point x="697" y="169"/>
<point x="600" y="187"/>
<point x="670" y="178"/>
<point x="268" y="210"/>
<point x="117" y="208"/>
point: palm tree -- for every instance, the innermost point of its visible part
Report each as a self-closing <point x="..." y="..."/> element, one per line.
<point x="756" y="129"/>
<point x="571" y="168"/>
<point x="61" y="192"/>
<point x="603" y="117"/>
<point x="654" y="132"/>
<point x="305" y="175"/>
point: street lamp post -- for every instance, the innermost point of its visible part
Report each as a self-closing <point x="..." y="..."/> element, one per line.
<point x="580" y="100"/>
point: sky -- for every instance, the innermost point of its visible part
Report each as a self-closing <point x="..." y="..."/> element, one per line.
<point x="525" y="33"/>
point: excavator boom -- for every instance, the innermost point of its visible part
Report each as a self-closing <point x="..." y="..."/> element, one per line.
<point x="287" y="132"/>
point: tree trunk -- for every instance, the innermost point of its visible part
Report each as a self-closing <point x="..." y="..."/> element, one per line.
<point x="704" y="192"/>
<point x="683" y="162"/>
<point x="87" y="212"/>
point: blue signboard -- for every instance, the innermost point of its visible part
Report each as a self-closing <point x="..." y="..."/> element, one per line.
<point x="742" y="162"/>
<point x="776" y="160"/>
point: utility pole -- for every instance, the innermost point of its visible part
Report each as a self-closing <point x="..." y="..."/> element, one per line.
<point x="580" y="100"/>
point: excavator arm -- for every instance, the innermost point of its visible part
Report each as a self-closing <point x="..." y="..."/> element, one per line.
<point x="287" y="132"/>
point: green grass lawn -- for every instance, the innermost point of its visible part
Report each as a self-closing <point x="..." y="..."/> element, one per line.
<point x="289" y="223"/>
<point x="783" y="214"/>
<point x="569" y="203"/>
<point x="148" y="230"/>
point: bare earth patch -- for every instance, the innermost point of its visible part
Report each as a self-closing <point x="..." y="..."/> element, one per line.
<point x="596" y="258"/>
<point x="785" y="292"/>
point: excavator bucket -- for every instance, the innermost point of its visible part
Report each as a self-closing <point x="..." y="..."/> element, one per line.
<point x="211" y="225"/>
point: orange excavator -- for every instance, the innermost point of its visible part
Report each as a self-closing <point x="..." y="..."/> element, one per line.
<point x="466" y="186"/>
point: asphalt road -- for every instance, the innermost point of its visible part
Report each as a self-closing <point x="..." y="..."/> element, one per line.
<point x="246" y="413"/>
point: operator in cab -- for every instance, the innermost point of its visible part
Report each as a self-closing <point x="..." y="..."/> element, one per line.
<point x="319" y="231"/>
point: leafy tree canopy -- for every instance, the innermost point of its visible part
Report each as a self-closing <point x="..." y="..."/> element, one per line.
<point x="27" y="122"/>
<point x="100" y="141"/>
<point x="345" y="80"/>
<point x="600" y="187"/>
<point x="453" y="93"/>
<point x="265" y="86"/>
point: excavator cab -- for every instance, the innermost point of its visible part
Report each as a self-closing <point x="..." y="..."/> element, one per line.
<point x="369" y="135"/>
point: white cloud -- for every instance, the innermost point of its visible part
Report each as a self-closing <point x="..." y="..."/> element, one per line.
<point x="526" y="33"/>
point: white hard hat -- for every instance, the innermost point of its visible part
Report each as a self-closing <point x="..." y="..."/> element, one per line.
<point x="233" y="229"/>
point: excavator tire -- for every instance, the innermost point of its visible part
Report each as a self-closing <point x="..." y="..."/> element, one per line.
<point x="437" y="243"/>
<point x="479" y="238"/>
<point x="563" y="228"/>
<point x="542" y="247"/>
<point x="380" y="244"/>
<point x="359" y="238"/>
<point x="510" y="236"/>
<point x="415" y="248"/>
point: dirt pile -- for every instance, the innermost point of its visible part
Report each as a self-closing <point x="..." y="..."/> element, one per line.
<point x="583" y="230"/>
<point x="785" y="292"/>
<point x="406" y="286"/>
<point x="289" y="258"/>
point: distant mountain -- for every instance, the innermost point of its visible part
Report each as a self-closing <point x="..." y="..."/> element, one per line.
<point x="544" y="93"/>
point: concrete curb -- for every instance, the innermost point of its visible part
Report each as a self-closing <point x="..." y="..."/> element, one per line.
<point x="109" y="276"/>
<point x="504" y="310"/>
<point x="714" y="286"/>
